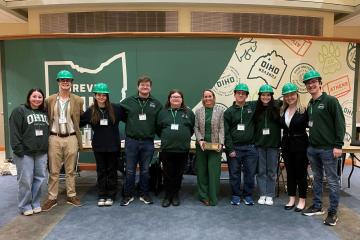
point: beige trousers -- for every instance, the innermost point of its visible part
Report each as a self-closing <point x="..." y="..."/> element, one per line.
<point x="62" y="151"/>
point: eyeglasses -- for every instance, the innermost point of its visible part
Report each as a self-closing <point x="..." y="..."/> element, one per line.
<point x="175" y="97"/>
<point x="65" y="80"/>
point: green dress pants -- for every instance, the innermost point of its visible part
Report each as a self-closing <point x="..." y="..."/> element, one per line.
<point x="208" y="167"/>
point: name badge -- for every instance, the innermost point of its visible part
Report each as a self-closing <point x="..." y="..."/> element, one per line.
<point x="240" y="127"/>
<point x="39" y="132"/>
<point x="311" y="123"/>
<point x="174" y="126"/>
<point x="142" y="117"/>
<point x="266" y="131"/>
<point x="62" y="120"/>
<point x="104" y="122"/>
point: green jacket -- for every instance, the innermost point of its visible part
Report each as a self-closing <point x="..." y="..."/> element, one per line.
<point x="24" y="123"/>
<point x="328" y="122"/>
<point x="175" y="140"/>
<point x="234" y="116"/>
<point x="271" y="140"/>
<point x="134" y="106"/>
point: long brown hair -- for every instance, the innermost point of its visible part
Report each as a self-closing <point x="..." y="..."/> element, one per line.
<point x="95" y="111"/>
<point x="212" y="93"/>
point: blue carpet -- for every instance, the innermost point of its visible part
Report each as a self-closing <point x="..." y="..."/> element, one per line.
<point x="8" y="203"/>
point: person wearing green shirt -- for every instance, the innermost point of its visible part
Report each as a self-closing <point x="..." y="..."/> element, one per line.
<point x="326" y="134"/>
<point x="141" y="113"/>
<point x="175" y="126"/>
<point x="209" y="132"/>
<point x="267" y="141"/>
<point x="240" y="145"/>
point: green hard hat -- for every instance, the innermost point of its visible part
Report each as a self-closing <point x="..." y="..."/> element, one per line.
<point x="64" y="74"/>
<point x="242" y="87"/>
<point x="310" y="75"/>
<point x="289" y="88"/>
<point x="266" y="88"/>
<point x="101" y="88"/>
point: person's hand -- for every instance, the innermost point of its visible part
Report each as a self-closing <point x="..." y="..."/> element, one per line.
<point x="232" y="154"/>
<point x="202" y="144"/>
<point x="337" y="152"/>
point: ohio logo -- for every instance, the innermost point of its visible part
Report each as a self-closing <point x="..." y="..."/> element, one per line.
<point x="297" y="75"/>
<point x="270" y="68"/>
<point x="351" y="56"/>
<point x="227" y="82"/>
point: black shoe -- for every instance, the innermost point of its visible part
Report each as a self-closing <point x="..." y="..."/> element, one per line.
<point x="312" y="210"/>
<point x="298" y="209"/>
<point x="289" y="207"/>
<point x="331" y="219"/>
<point x="175" y="200"/>
<point x="166" y="202"/>
<point x="126" y="200"/>
<point x="146" y="199"/>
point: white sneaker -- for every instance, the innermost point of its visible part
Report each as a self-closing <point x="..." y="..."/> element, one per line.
<point x="269" y="201"/>
<point x="101" y="202"/>
<point x="262" y="200"/>
<point x="37" y="210"/>
<point x="109" y="202"/>
<point x="28" y="212"/>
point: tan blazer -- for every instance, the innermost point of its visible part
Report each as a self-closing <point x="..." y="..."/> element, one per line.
<point x="76" y="109"/>
<point x="217" y="124"/>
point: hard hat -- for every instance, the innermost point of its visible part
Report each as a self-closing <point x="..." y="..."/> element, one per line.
<point x="311" y="74"/>
<point x="64" y="74"/>
<point x="289" y="88"/>
<point x="242" y="87"/>
<point x="266" y="88"/>
<point x="100" y="88"/>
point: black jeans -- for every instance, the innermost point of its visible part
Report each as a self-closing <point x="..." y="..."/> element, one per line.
<point x="296" y="164"/>
<point x="106" y="169"/>
<point x="173" y="168"/>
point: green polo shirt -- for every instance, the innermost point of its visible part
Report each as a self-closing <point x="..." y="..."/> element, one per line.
<point x="326" y="122"/>
<point x="239" y="125"/>
<point x="135" y="127"/>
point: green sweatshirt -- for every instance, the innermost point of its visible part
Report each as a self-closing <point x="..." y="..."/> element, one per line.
<point x="271" y="140"/>
<point x="134" y="108"/>
<point x="328" y="123"/>
<point x="239" y="125"/>
<point x="25" y="124"/>
<point x="173" y="140"/>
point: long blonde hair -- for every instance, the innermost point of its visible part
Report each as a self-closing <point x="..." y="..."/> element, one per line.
<point x="299" y="106"/>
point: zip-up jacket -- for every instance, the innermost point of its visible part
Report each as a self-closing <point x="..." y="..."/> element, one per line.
<point x="175" y="140"/>
<point x="328" y="122"/>
<point x="24" y="124"/>
<point x="265" y="121"/>
<point x="234" y="118"/>
<point x="134" y="106"/>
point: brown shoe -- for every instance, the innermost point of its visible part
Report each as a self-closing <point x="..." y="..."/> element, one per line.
<point x="74" y="201"/>
<point x="48" y="205"/>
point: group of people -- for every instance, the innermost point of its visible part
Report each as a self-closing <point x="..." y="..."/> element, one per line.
<point x="248" y="131"/>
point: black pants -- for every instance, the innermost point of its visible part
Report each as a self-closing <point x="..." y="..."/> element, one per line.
<point x="173" y="169"/>
<point x="106" y="169"/>
<point x="296" y="164"/>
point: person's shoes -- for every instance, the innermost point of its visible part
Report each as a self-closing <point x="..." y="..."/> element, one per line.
<point x="261" y="200"/>
<point x="248" y="200"/>
<point x="331" y="219"/>
<point x="235" y="200"/>
<point x="205" y="202"/>
<point x="269" y="201"/>
<point x="166" y="202"/>
<point x="49" y="204"/>
<point x="146" y="199"/>
<point x="286" y="207"/>
<point x="37" y="210"/>
<point x="299" y="209"/>
<point x="28" y="212"/>
<point x="74" y="201"/>
<point x="175" y="200"/>
<point x="126" y="201"/>
<point x="312" y="210"/>
<point x="109" y="202"/>
<point x="101" y="202"/>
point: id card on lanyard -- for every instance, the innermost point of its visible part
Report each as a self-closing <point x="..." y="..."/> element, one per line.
<point x="142" y="115"/>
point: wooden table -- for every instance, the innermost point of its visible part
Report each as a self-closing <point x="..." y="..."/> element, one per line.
<point x="355" y="161"/>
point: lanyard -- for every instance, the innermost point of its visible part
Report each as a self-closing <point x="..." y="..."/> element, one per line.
<point x="241" y="114"/>
<point x="62" y="107"/>
<point x="102" y="113"/>
<point x="142" y="105"/>
<point x="266" y="113"/>
<point x="173" y="114"/>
